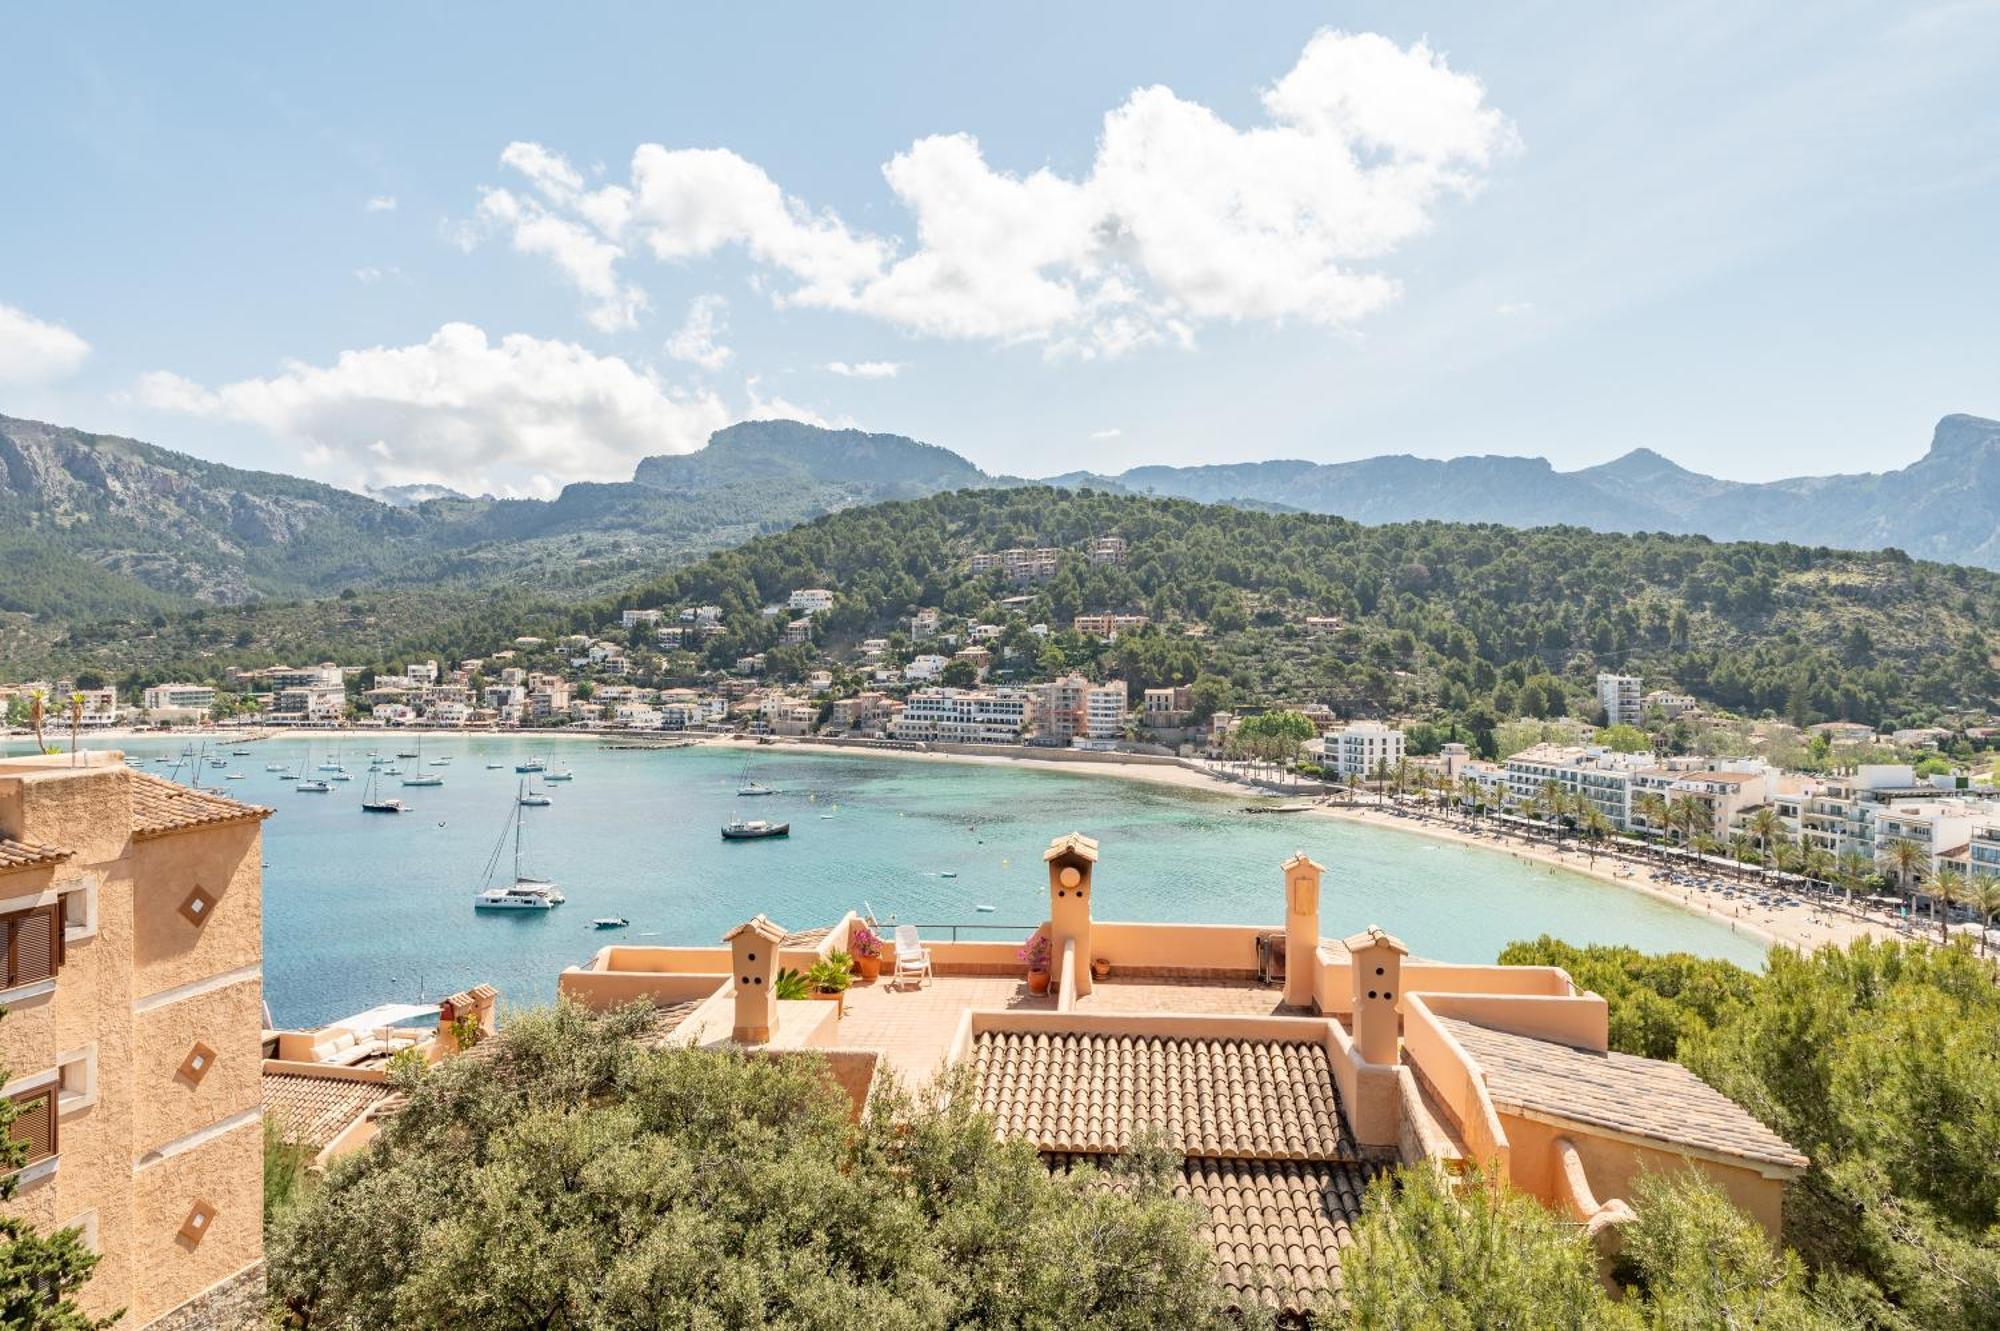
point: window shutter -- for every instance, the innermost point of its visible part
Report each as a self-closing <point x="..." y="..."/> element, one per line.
<point x="32" y="946"/>
<point x="35" y="1123"/>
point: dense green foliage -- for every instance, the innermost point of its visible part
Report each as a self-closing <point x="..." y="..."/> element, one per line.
<point x="1881" y="1061"/>
<point x="1428" y="1256"/>
<point x="577" y="1178"/>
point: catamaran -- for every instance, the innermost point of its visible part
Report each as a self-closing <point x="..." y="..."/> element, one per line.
<point x="527" y="892"/>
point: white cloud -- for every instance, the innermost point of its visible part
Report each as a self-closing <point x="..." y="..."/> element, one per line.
<point x="33" y="351"/>
<point x="1182" y="219"/>
<point x="697" y="340"/>
<point x="580" y="251"/>
<point x="1111" y="433"/>
<point x="460" y="410"/>
<point x="381" y="203"/>
<point x="1514" y="308"/>
<point x="866" y="369"/>
<point x="776" y="407"/>
<point x="369" y="275"/>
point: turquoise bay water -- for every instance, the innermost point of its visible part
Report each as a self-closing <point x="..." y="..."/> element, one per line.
<point x="365" y="908"/>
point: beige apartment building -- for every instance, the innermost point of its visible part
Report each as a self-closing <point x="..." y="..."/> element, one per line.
<point x="133" y="989"/>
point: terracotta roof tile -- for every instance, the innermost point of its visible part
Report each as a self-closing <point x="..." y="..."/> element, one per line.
<point x="1643" y="1097"/>
<point x="29" y="855"/>
<point x="1220" y="1099"/>
<point x="311" y="1111"/>
<point x="160" y="806"/>
<point x="1278" y="1227"/>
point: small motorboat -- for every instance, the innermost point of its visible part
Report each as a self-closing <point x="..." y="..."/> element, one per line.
<point x="440" y="762"/>
<point x="609" y="922"/>
<point x="234" y="776"/>
<point x="753" y="829"/>
<point x="424" y="779"/>
<point x="947" y="873"/>
<point x="340" y="776"/>
<point x="269" y="767"/>
<point x="313" y="788"/>
<point x="561" y="774"/>
<point x="985" y="909"/>
<point x="532" y="765"/>
<point x="288" y="776"/>
<point x="496" y="767"/>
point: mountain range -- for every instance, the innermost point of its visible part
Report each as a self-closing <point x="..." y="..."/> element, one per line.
<point x="93" y="526"/>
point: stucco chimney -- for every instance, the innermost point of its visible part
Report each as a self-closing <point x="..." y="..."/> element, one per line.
<point x="1377" y="964"/>
<point x="1070" y="859"/>
<point x="1301" y="928"/>
<point x="753" y="947"/>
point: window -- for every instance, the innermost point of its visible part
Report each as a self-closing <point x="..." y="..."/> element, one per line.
<point x="76" y="1079"/>
<point x="31" y="945"/>
<point x="35" y="1121"/>
<point x="79" y="910"/>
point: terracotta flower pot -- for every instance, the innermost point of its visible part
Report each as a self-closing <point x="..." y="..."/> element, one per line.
<point x="1038" y="982"/>
<point x="1099" y="967"/>
<point x="868" y="968"/>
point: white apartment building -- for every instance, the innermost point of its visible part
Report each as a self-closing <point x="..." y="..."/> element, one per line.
<point x="1941" y="827"/>
<point x="178" y="702"/>
<point x="1673" y="706"/>
<point x="963" y="716"/>
<point x="1610" y="780"/>
<point x="308" y="705"/>
<point x="631" y="619"/>
<point x="812" y="600"/>
<point x="928" y="666"/>
<point x="1362" y="749"/>
<point x="1620" y="697"/>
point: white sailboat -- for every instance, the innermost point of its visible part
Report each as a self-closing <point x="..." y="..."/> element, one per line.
<point x="527" y="891"/>
<point x="748" y="787"/>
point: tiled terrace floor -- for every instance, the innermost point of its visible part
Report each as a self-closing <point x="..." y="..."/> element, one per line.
<point x="913" y="1027"/>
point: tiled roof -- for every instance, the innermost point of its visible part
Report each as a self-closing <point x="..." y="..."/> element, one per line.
<point x="1643" y="1097"/>
<point x="805" y="937"/>
<point x="1220" y="1099"/>
<point x="160" y="806"/>
<point x="1277" y="1226"/>
<point x="311" y="1111"/>
<point x="29" y="855"/>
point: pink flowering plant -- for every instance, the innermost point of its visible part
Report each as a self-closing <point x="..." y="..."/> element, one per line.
<point x="1035" y="952"/>
<point x="863" y="941"/>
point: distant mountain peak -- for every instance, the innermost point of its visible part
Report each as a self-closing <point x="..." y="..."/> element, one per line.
<point x="1960" y="434"/>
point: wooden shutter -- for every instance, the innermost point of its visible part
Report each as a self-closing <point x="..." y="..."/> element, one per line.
<point x="35" y="1121"/>
<point x="34" y="944"/>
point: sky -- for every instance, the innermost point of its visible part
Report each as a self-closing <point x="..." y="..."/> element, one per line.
<point x="510" y="247"/>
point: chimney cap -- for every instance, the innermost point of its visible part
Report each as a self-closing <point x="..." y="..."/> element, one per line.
<point x="1373" y="936"/>
<point x="763" y="927"/>
<point x="1076" y="843"/>
<point x="1299" y="858"/>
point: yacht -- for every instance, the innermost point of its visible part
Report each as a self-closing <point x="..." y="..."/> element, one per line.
<point x="373" y="802"/>
<point x="239" y="753"/>
<point x="560" y="774"/>
<point x="527" y="892"/>
<point x="609" y="922"/>
<point x="496" y="767"/>
<point x="313" y="788"/>
<point x="269" y="767"/>
<point x="748" y="787"/>
<point x="753" y="829"/>
<point x="440" y="762"/>
<point x="424" y="779"/>
<point x="534" y="799"/>
<point x="531" y="765"/>
<point x="341" y="775"/>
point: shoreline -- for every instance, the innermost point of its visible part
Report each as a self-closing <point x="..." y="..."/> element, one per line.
<point x="1802" y="927"/>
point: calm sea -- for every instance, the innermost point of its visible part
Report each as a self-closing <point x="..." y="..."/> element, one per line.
<point x="361" y="908"/>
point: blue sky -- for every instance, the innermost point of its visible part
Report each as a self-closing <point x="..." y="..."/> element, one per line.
<point x="1758" y="238"/>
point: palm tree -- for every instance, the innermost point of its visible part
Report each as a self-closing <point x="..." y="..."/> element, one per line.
<point x="1468" y="795"/>
<point x="1910" y="863"/>
<point x="1549" y="800"/>
<point x="1852" y="870"/>
<point x="1984" y="898"/>
<point x="1767" y="827"/>
<point x="1595" y="827"/>
<point x="1739" y="850"/>
<point x="1816" y="864"/>
<point x="1652" y="808"/>
<point x="1949" y="888"/>
<point x="1685" y="814"/>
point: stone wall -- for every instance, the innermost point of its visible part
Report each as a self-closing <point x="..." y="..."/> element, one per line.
<point x="237" y="1304"/>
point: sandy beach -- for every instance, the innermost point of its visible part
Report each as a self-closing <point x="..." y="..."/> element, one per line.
<point x="1802" y="927"/>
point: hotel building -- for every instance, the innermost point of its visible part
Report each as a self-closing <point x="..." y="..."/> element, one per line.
<point x="131" y="909"/>
<point x="1619" y="696"/>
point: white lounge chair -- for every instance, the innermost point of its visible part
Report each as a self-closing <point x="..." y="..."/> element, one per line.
<point x="913" y="959"/>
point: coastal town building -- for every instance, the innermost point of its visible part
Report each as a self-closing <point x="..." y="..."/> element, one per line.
<point x="1107" y="550"/>
<point x="963" y="716"/>
<point x="1363" y="749"/>
<point x="1671" y="706"/>
<point x="1073" y="711"/>
<point x="1108" y="625"/>
<point x="812" y="600"/>
<point x="1286" y="1069"/>
<point x="631" y="619"/>
<point x="132" y="985"/>
<point x="1619" y="696"/>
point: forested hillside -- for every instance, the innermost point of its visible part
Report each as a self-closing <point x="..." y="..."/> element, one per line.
<point x="1460" y="620"/>
<point x="1472" y="624"/>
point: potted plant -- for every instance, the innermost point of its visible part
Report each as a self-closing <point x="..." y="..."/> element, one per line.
<point x="1035" y="953"/>
<point x="791" y="986"/>
<point x="1100" y="967"/>
<point x="830" y="976"/>
<point x="867" y="946"/>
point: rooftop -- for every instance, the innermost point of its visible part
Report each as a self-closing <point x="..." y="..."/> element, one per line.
<point x="1639" y="1097"/>
<point x="159" y="807"/>
<point x="29" y="854"/>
